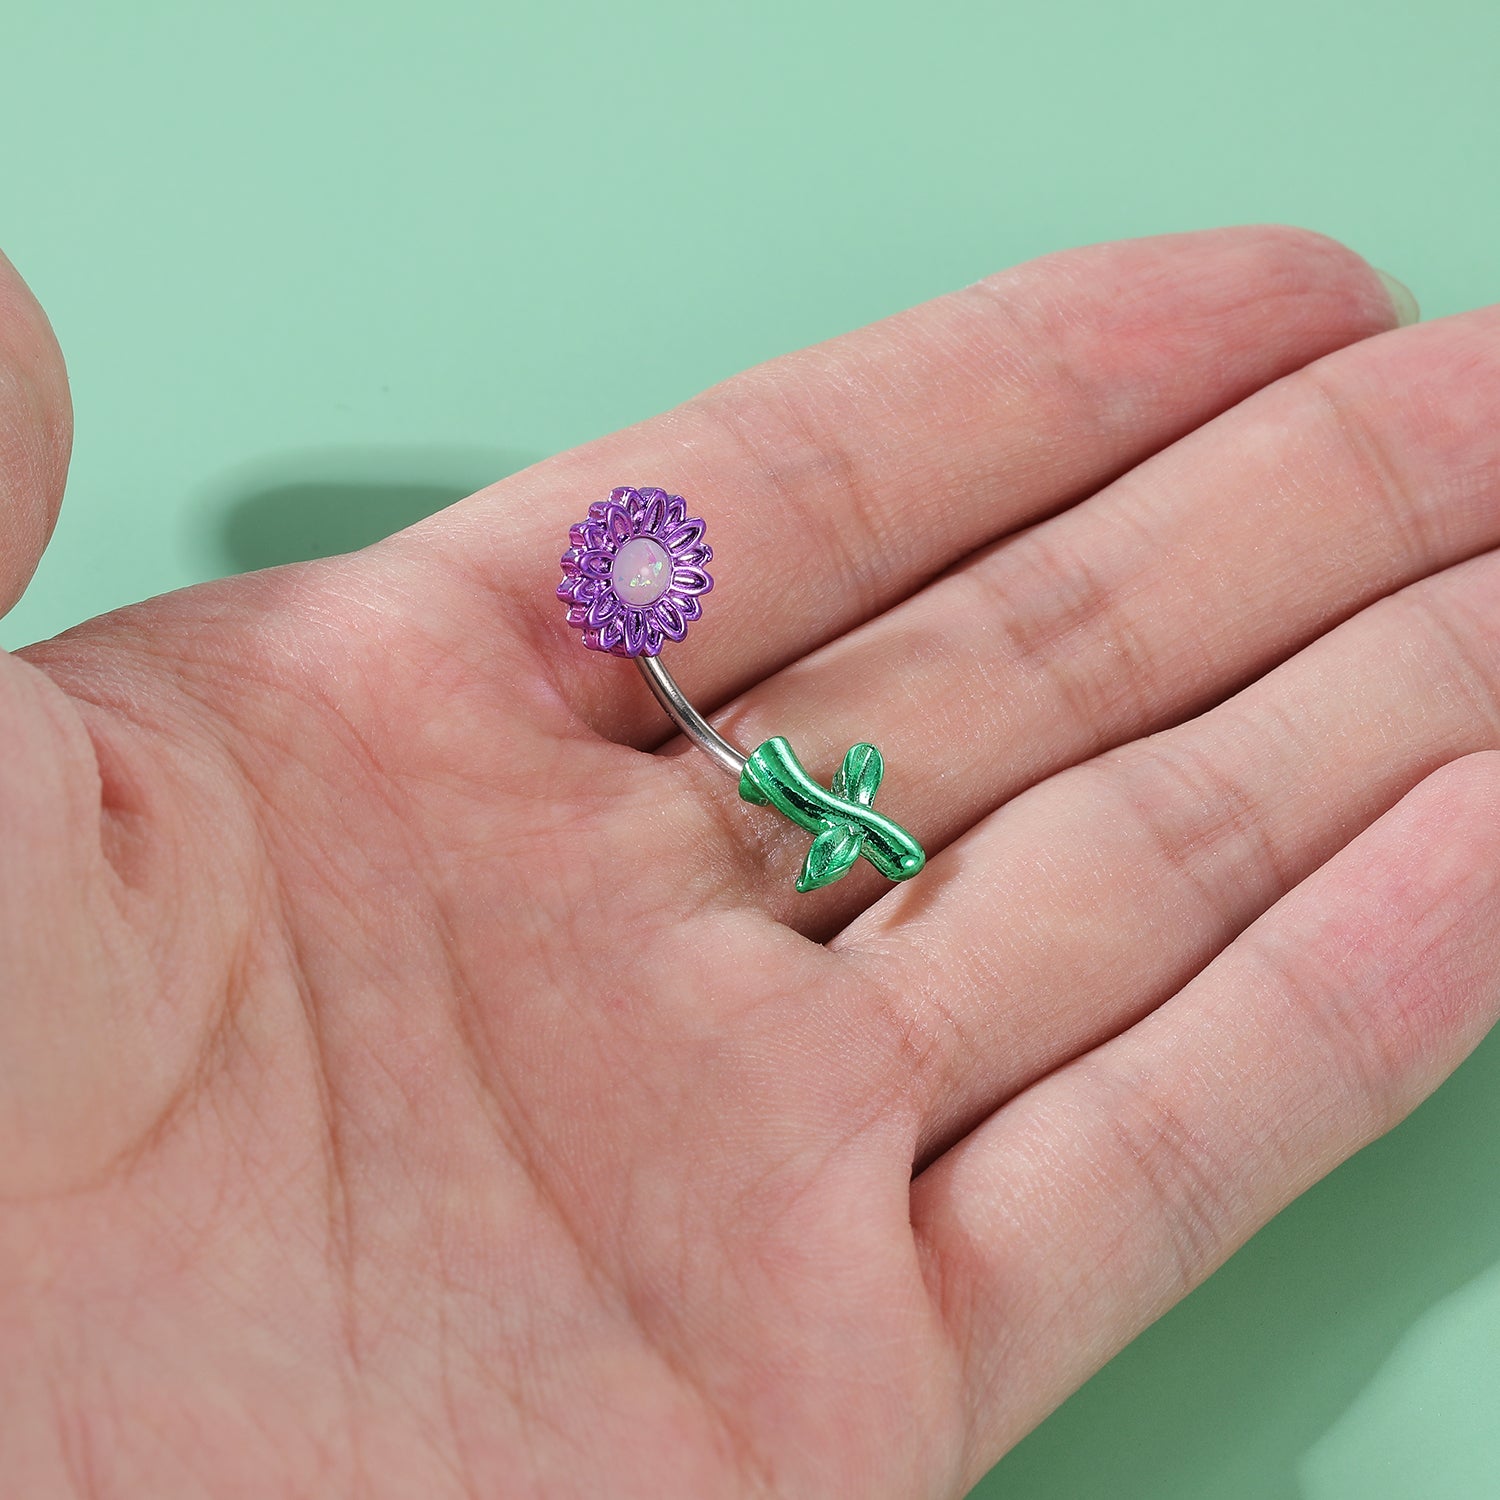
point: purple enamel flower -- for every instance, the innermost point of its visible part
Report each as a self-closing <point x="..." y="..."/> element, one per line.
<point x="633" y="576"/>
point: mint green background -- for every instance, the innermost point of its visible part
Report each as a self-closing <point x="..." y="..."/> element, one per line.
<point x="319" y="269"/>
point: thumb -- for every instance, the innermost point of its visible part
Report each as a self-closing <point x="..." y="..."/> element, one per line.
<point x="36" y="433"/>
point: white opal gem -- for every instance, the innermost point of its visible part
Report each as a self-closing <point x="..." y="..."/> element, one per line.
<point x="641" y="571"/>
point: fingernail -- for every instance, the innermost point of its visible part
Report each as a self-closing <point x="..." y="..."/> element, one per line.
<point x="1407" y="311"/>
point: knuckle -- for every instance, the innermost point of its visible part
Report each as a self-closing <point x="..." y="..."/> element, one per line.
<point x="1197" y="818"/>
<point x="1339" y="398"/>
<point x="782" y="419"/>
<point x="1177" y="1175"/>
<point x="1464" y="637"/>
<point x="1065" y="621"/>
<point x="1415" y="418"/>
<point x="1361" y="1054"/>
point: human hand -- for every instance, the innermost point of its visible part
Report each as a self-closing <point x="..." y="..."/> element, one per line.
<point x="418" y="1075"/>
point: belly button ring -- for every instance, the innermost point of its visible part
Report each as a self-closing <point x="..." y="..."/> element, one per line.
<point x="633" y="579"/>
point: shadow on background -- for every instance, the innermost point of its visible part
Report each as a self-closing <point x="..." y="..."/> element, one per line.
<point x="298" y="506"/>
<point x="1249" y="1374"/>
<point x="1426" y="1425"/>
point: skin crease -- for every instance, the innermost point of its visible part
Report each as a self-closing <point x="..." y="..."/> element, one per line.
<point x="417" y="1075"/>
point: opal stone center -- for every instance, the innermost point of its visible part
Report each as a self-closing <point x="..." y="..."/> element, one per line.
<point x="641" y="571"/>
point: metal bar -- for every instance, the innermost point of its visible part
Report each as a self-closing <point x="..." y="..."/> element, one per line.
<point x="687" y="718"/>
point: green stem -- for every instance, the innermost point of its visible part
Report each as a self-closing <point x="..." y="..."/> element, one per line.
<point x="844" y="829"/>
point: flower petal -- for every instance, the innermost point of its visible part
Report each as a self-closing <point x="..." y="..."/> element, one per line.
<point x="680" y="538"/>
<point x="676" y="511"/>
<point x="670" y="618"/>
<point x="596" y="562"/>
<point x="691" y="609"/>
<point x="578" y="614"/>
<point x="635" y="634"/>
<point x="619" y="525"/>
<point x="579" y="590"/>
<point x="690" y="581"/>
<point x="694" y="557"/>
<point x="655" y="512"/>
<point x="652" y="628"/>
<point x="612" y="633"/>
<point x="605" y="607"/>
<point x="587" y="534"/>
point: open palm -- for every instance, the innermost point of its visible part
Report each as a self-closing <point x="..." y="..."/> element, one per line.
<point x="418" y="1075"/>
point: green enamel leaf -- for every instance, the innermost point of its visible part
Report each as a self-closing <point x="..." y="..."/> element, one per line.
<point x="830" y="856"/>
<point x="859" y="777"/>
<point x="844" y="825"/>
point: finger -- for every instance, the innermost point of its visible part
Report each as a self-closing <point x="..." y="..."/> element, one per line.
<point x="36" y="433"/>
<point x="838" y="479"/>
<point x="1183" y="580"/>
<point x="1088" y="1206"/>
<point x="1089" y="900"/>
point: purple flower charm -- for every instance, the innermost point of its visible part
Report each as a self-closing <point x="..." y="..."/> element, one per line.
<point x="633" y="576"/>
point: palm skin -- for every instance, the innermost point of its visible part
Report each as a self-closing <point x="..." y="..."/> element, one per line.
<point x="419" y="1085"/>
<point x="445" y="1184"/>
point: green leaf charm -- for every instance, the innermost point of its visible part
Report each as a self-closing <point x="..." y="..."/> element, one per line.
<point x="859" y="777"/>
<point x="832" y="854"/>
<point x="844" y="824"/>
